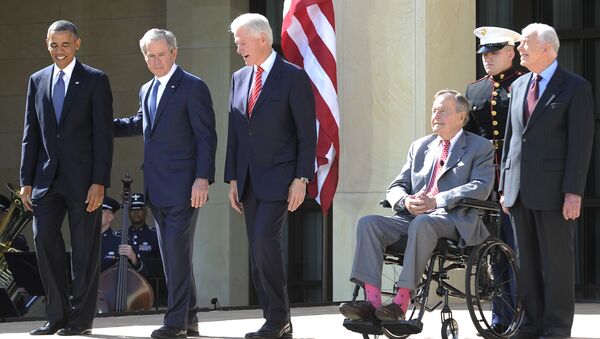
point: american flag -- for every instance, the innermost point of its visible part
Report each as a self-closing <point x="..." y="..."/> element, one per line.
<point x="308" y="40"/>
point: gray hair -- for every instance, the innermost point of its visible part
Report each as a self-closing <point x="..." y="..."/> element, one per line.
<point x="545" y="33"/>
<point x="156" y="34"/>
<point x="63" y="26"/>
<point x="461" y="103"/>
<point x="253" y="22"/>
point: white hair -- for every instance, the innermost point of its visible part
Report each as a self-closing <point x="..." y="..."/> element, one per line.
<point x="545" y="33"/>
<point x="254" y="23"/>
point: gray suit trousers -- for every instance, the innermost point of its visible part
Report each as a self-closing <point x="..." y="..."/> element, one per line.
<point x="374" y="233"/>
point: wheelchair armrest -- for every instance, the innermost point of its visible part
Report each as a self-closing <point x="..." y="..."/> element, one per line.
<point x="385" y="204"/>
<point x="487" y="205"/>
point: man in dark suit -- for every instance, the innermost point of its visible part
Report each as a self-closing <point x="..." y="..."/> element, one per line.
<point x="546" y="156"/>
<point x="65" y="167"/>
<point x="441" y="169"/>
<point x="489" y="98"/>
<point x="270" y="158"/>
<point x="177" y="121"/>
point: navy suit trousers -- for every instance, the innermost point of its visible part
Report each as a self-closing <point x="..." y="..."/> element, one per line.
<point x="264" y="224"/>
<point x="176" y="226"/>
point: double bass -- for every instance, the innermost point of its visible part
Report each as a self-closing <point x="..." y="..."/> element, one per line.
<point x="121" y="288"/>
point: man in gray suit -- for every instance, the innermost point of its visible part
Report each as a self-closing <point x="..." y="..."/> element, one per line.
<point x="441" y="169"/>
<point x="546" y="156"/>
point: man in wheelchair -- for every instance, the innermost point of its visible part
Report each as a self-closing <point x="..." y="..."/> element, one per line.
<point x="441" y="169"/>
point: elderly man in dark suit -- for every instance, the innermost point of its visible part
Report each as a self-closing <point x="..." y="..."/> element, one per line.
<point x="270" y="158"/>
<point x="546" y="156"/>
<point x="441" y="169"/>
<point x="65" y="167"/>
<point x="177" y="121"/>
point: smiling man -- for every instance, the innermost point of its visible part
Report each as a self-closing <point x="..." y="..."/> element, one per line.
<point x="549" y="138"/>
<point x="65" y="168"/>
<point x="270" y="158"/>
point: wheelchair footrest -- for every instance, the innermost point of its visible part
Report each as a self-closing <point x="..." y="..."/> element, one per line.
<point x="403" y="327"/>
<point x="363" y="326"/>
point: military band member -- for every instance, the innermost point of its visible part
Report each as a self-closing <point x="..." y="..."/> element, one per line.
<point x="19" y="242"/>
<point x="111" y="240"/>
<point x="489" y="98"/>
<point x="142" y="236"/>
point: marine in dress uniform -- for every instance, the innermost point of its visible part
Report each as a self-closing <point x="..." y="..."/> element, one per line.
<point x="490" y="98"/>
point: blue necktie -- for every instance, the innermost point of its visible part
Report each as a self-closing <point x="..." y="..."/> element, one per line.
<point x="58" y="95"/>
<point x="152" y="102"/>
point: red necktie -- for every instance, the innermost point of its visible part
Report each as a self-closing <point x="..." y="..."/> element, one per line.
<point x="532" y="98"/>
<point x="432" y="188"/>
<point x="256" y="88"/>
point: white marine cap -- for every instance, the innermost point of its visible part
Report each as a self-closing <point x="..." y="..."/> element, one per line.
<point x="494" y="38"/>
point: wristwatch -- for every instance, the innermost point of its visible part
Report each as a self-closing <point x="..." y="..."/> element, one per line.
<point x="303" y="179"/>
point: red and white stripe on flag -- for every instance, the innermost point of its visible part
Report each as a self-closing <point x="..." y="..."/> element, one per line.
<point x="308" y="40"/>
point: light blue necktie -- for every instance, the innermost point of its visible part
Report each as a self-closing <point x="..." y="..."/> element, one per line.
<point x="58" y="95"/>
<point x="152" y="102"/>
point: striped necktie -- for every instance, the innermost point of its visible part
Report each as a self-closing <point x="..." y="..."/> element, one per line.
<point x="256" y="88"/>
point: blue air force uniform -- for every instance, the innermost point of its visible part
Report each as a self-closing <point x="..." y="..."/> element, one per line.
<point x="144" y="239"/>
<point x="111" y="240"/>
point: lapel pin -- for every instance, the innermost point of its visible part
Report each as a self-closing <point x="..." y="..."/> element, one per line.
<point x="172" y="86"/>
<point x="76" y="82"/>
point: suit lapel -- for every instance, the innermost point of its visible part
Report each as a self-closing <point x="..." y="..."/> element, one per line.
<point x="552" y="90"/>
<point x="518" y="95"/>
<point x="48" y="111"/>
<point x="76" y="79"/>
<point x="272" y="80"/>
<point x="169" y="90"/>
<point x="244" y="86"/>
<point x="146" y="116"/>
<point x="429" y="161"/>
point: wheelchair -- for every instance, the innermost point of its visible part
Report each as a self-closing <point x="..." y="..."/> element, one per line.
<point x="484" y="284"/>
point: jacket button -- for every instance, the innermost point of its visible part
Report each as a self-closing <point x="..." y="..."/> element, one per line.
<point x="524" y="140"/>
<point x="250" y="133"/>
<point x="58" y="136"/>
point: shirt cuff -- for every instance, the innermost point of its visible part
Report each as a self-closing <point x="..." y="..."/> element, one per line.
<point x="439" y="201"/>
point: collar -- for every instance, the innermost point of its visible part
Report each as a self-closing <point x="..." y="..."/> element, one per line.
<point x="164" y="80"/>
<point x="505" y="75"/>
<point x="548" y="72"/>
<point x="67" y="70"/>
<point x="268" y="63"/>
<point x="452" y="141"/>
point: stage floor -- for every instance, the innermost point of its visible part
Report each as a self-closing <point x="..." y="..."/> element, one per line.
<point x="309" y="322"/>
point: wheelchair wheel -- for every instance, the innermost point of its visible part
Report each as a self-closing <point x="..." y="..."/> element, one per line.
<point x="450" y="329"/>
<point x="491" y="275"/>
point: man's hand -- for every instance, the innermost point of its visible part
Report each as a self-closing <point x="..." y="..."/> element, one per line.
<point x="199" y="192"/>
<point x="419" y="203"/>
<point x="504" y="208"/>
<point x="128" y="251"/>
<point x="233" y="197"/>
<point x="571" y="206"/>
<point x="296" y="194"/>
<point x="25" y="194"/>
<point x="95" y="197"/>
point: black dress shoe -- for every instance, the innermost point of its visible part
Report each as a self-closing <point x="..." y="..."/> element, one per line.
<point x="168" y="332"/>
<point x="73" y="330"/>
<point x="192" y="330"/>
<point x="360" y="310"/>
<point x="49" y="328"/>
<point x="270" y="331"/>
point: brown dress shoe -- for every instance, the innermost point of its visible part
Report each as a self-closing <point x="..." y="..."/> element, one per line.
<point x="390" y="312"/>
<point x="360" y="310"/>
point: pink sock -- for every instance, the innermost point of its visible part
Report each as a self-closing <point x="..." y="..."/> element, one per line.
<point x="373" y="295"/>
<point x="402" y="298"/>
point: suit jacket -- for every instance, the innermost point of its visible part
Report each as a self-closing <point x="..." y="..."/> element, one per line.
<point x="278" y="143"/>
<point x="468" y="173"/>
<point x="550" y="155"/>
<point x="80" y="146"/>
<point x="181" y="145"/>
